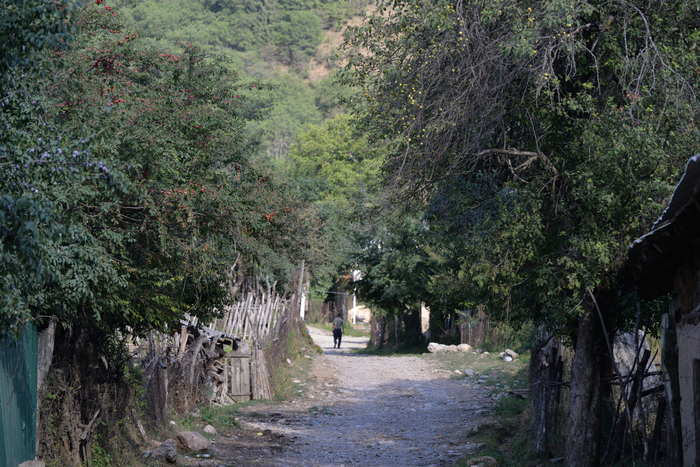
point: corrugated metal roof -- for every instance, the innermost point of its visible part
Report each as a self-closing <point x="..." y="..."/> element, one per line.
<point x="18" y="397"/>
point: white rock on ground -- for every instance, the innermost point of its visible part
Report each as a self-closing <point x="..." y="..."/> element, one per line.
<point x="434" y="347"/>
<point x="192" y="441"/>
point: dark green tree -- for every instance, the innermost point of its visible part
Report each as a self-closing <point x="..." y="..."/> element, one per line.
<point x="396" y="270"/>
<point x="128" y="210"/>
<point x="28" y="220"/>
<point x="333" y="173"/>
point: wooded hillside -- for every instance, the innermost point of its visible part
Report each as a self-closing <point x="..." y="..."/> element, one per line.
<point x="285" y="42"/>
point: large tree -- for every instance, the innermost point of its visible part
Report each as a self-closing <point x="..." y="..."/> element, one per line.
<point x="334" y="173"/>
<point x="130" y="191"/>
<point x="545" y="136"/>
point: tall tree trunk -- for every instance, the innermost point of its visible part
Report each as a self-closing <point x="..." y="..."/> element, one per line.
<point x="585" y="403"/>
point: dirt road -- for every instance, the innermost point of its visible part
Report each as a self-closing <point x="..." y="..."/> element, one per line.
<point x="361" y="410"/>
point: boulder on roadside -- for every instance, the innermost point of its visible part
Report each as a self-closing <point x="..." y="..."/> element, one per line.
<point x="469" y="372"/>
<point x="512" y="354"/>
<point x="166" y="452"/>
<point x="485" y="461"/>
<point x="464" y="348"/>
<point x="434" y="347"/>
<point x="210" y="430"/>
<point x="192" y="441"/>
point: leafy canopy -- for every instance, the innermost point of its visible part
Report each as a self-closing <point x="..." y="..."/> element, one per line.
<point x="542" y="137"/>
<point x="134" y="192"/>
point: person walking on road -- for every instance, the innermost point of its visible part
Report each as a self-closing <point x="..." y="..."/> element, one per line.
<point x="338" y="330"/>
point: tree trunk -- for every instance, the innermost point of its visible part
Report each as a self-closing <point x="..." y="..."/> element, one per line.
<point x="396" y="330"/>
<point x="585" y="403"/>
<point x="382" y="331"/>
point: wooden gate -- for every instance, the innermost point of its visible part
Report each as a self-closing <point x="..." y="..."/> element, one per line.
<point x="238" y="379"/>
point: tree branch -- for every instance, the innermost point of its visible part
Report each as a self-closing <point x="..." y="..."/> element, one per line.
<point x="533" y="155"/>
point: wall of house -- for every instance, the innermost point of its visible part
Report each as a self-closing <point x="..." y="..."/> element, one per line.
<point x="686" y="287"/>
<point x="688" y="349"/>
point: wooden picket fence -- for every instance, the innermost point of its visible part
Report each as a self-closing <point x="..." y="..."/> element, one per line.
<point x="242" y="374"/>
<point x="252" y="318"/>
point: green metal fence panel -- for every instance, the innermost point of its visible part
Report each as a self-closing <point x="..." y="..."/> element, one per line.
<point x="18" y="397"/>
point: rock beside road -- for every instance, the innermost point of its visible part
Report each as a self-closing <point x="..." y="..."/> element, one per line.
<point x="434" y="347"/>
<point x="166" y="452"/>
<point x="192" y="441"/>
<point x="508" y="355"/>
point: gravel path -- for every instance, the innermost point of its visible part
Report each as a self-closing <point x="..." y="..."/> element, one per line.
<point x="364" y="410"/>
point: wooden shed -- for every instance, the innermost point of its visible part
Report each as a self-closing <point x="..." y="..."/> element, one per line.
<point x="665" y="260"/>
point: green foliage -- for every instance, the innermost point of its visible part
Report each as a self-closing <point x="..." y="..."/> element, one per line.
<point x="266" y="39"/>
<point x="145" y="160"/>
<point x="223" y="418"/>
<point x="27" y="219"/>
<point x="545" y="137"/>
<point x="333" y="172"/>
<point x="298" y="34"/>
<point x="292" y="109"/>
<point x="99" y="457"/>
<point x="333" y="165"/>
<point x="395" y="269"/>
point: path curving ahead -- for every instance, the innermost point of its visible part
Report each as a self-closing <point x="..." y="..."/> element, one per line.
<point x="370" y="411"/>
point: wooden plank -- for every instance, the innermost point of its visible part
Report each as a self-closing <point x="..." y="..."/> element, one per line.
<point x="248" y="327"/>
<point x="254" y="377"/>
<point x="183" y="341"/>
<point x="235" y="376"/>
<point x="232" y="318"/>
<point x="236" y="319"/>
<point x="245" y="376"/>
<point x="265" y="325"/>
<point x="268" y="317"/>
<point x="225" y="384"/>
